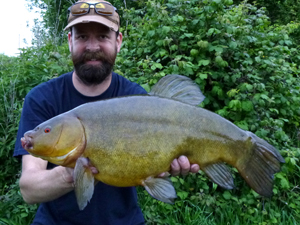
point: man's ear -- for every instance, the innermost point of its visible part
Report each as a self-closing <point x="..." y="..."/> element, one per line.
<point x="70" y="41"/>
<point x="119" y="41"/>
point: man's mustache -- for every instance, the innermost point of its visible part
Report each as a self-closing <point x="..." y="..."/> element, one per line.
<point x="88" y="56"/>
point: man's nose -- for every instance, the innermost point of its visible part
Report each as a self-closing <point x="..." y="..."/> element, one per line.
<point x="93" y="44"/>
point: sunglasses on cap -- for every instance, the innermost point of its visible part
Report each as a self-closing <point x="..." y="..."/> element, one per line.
<point x="101" y="8"/>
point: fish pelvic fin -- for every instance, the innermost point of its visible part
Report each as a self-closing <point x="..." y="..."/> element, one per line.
<point x="220" y="174"/>
<point x="161" y="189"/>
<point x="84" y="182"/>
<point x="259" y="169"/>
<point x="178" y="87"/>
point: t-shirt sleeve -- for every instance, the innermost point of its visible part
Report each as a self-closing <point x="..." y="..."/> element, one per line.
<point x="36" y="109"/>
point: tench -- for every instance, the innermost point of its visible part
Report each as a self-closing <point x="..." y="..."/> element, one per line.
<point x="131" y="140"/>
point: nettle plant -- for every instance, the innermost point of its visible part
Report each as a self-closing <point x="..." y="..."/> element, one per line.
<point x="247" y="69"/>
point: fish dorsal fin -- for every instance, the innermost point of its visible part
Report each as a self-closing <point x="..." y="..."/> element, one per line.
<point x="178" y="87"/>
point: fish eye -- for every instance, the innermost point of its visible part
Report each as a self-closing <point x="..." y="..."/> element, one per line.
<point x="47" y="130"/>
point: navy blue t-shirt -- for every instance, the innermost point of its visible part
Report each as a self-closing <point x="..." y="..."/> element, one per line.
<point x="109" y="205"/>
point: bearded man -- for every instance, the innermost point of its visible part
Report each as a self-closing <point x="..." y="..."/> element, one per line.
<point x="94" y="41"/>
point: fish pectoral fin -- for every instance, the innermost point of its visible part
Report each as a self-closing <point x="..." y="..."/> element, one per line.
<point x="220" y="174"/>
<point x="84" y="182"/>
<point x="160" y="188"/>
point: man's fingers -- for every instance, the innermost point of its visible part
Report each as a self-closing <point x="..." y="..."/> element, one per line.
<point x="94" y="170"/>
<point x="184" y="164"/>
<point x="195" y="168"/>
<point x="68" y="175"/>
<point x="180" y="166"/>
<point x="175" y="168"/>
<point x="165" y="174"/>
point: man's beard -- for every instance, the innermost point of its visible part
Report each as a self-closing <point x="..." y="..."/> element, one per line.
<point x="93" y="74"/>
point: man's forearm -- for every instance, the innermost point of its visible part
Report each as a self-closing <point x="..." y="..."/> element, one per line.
<point x="40" y="185"/>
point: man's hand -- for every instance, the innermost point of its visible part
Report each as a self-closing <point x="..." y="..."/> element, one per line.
<point x="181" y="166"/>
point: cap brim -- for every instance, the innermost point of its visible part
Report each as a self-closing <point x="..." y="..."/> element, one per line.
<point x="93" y="18"/>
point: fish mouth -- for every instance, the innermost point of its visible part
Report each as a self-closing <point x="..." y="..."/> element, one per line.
<point x="26" y="143"/>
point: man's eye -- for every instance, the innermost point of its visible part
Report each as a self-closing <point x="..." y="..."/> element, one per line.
<point x="81" y="37"/>
<point x="103" y="36"/>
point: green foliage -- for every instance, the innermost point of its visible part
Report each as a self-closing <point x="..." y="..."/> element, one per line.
<point x="12" y="207"/>
<point x="17" y="77"/>
<point x="281" y="12"/>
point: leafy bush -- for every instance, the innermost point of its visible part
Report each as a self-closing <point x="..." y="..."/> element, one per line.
<point x="17" y="77"/>
<point x="281" y="12"/>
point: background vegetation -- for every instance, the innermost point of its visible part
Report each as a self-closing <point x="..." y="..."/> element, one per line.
<point x="243" y="55"/>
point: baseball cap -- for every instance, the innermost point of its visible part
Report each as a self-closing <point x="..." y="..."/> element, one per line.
<point x="86" y="11"/>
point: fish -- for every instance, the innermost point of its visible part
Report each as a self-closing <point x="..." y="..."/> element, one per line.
<point x="130" y="140"/>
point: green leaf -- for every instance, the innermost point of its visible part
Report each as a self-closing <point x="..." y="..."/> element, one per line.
<point x="24" y="215"/>
<point x="227" y="195"/>
<point x="203" y="76"/>
<point x="274" y="110"/>
<point x="233" y="45"/>
<point x="263" y="96"/>
<point x="156" y="65"/>
<point x="232" y="92"/>
<point x="203" y="62"/>
<point x="293" y="161"/>
<point x="182" y="194"/>
<point x="235" y="104"/>
<point x="257" y="59"/>
<point x="213" y="31"/>
<point x="159" y="43"/>
<point x="151" y="33"/>
<point x="243" y="125"/>
<point x="174" y="179"/>
<point x="163" y="52"/>
<point x="283" y="181"/>
<point x="166" y="29"/>
<point x="247" y="106"/>
<point x="194" y="52"/>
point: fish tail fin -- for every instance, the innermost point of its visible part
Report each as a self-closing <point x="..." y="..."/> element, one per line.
<point x="259" y="169"/>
